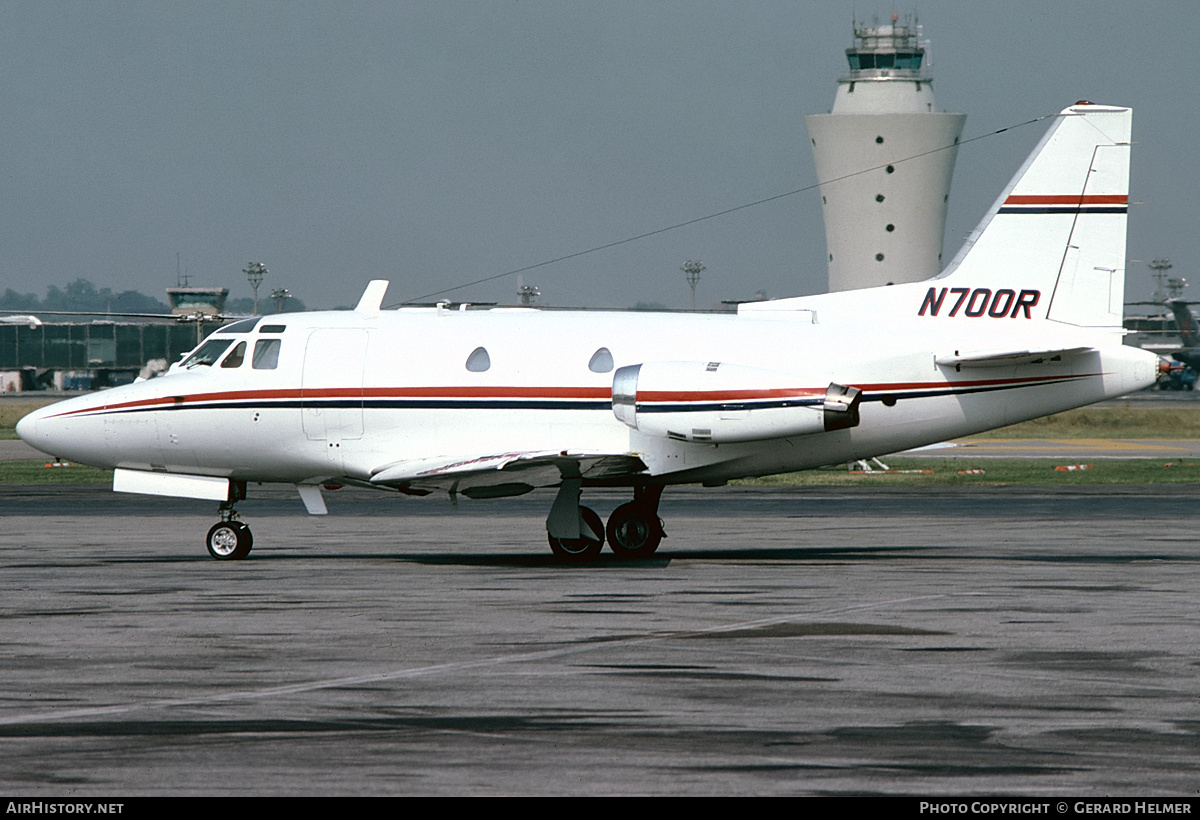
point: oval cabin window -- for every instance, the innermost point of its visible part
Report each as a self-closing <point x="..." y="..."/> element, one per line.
<point x="602" y="361"/>
<point x="479" y="360"/>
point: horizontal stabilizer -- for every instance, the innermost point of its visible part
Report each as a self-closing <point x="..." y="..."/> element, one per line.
<point x="1008" y="358"/>
<point x="543" y="468"/>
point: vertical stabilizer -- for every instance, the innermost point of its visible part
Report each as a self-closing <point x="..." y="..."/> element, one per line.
<point x="1059" y="227"/>
<point x="1185" y="322"/>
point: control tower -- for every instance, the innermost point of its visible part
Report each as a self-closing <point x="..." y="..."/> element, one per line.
<point x="885" y="184"/>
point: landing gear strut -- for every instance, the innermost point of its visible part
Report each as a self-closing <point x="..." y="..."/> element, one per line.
<point x="575" y="533"/>
<point x="230" y="538"/>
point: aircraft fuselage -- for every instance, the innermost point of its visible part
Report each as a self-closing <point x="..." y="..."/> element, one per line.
<point x="349" y="393"/>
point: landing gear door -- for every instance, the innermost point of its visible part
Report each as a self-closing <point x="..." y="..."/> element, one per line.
<point x="331" y="396"/>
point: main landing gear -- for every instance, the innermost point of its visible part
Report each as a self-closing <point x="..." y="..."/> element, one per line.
<point x="576" y="533"/>
<point x="576" y="536"/>
<point x="634" y="529"/>
<point x="584" y="548"/>
<point x="230" y="538"/>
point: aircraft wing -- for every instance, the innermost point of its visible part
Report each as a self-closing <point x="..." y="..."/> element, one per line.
<point x="1007" y="358"/>
<point x="501" y="474"/>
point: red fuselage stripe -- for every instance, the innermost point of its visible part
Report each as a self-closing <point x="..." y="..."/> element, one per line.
<point x="544" y="393"/>
<point x="1070" y="199"/>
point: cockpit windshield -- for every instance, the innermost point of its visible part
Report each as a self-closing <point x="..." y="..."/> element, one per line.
<point x="242" y="326"/>
<point x="207" y="353"/>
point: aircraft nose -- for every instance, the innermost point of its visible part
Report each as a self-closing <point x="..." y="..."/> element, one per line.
<point x="73" y="429"/>
<point x="34" y="430"/>
<point x="27" y="428"/>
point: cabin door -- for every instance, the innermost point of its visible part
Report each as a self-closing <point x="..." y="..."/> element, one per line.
<point x="331" y="392"/>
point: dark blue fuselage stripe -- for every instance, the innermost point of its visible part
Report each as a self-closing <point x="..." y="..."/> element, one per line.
<point x="881" y="395"/>
<point x="405" y="404"/>
<point x="564" y="404"/>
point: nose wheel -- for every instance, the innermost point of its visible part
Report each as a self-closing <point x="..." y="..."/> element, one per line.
<point x="229" y="541"/>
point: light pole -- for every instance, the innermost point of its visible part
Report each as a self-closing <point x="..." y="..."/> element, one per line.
<point x="527" y="293"/>
<point x="279" y="294"/>
<point x="692" y="270"/>
<point x="1160" y="268"/>
<point x="255" y="272"/>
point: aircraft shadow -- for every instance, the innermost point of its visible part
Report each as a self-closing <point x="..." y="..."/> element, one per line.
<point x="605" y="561"/>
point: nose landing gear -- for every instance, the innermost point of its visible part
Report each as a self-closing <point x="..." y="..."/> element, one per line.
<point x="230" y="538"/>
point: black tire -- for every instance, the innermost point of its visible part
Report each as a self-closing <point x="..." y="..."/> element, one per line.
<point x="580" y="550"/>
<point x="229" y="541"/>
<point x="634" y="531"/>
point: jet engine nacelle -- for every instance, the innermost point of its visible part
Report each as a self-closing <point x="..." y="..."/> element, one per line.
<point x="719" y="403"/>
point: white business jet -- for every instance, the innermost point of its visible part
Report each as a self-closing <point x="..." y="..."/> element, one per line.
<point x="1026" y="321"/>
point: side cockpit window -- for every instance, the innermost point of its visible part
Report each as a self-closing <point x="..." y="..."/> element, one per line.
<point x="266" y="354"/>
<point x="207" y="354"/>
<point x="236" y="358"/>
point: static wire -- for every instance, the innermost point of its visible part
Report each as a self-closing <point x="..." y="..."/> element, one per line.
<point x="707" y="217"/>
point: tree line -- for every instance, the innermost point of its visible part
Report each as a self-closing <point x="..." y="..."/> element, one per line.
<point x="82" y="296"/>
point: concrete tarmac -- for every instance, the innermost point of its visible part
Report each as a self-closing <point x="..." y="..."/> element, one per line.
<point x="988" y="641"/>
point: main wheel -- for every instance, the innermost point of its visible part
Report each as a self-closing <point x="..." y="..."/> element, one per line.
<point x="229" y="541"/>
<point x="634" y="531"/>
<point x="587" y="546"/>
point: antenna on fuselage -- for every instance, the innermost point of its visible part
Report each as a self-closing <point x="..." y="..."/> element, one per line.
<point x="372" y="299"/>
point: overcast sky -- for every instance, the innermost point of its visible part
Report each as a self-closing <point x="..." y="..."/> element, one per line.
<point x="435" y="143"/>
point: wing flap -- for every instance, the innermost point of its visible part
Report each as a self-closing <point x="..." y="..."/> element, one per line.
<point x="507" y="473"/>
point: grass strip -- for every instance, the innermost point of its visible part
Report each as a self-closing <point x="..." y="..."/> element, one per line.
<point x="1111" y="421"/>
<point x="36" y="472"/>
